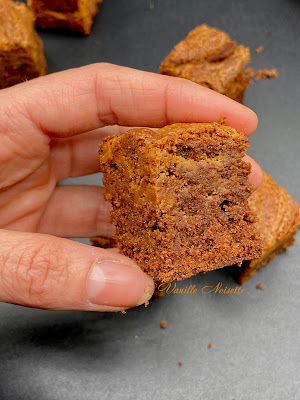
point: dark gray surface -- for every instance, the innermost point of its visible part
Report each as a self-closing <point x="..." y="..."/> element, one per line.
<point x="254" y="335"/>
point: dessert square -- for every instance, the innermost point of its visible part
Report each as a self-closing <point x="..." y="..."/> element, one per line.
<point x="76" y="15"/>
<point x="278" y="221"/>
<point x="180" y="198"/>
<point x="21" y="50"/>
<point x="210" y="58"/>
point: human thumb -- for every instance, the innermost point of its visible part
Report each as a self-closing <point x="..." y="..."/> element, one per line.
<point x="43" y="271"/>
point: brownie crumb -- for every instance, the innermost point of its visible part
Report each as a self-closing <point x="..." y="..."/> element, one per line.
<point x="158" y="294"/>
<point x="123" y="311"/>
<point x="163" y="324"/>
<point x="180" y="364"/>
<point x="260" y="49"/>
<point x="266" y="73"/>
<point x="146" y="303"/>
<point x="260" y="286"/>
<point x="222" y="121"/>
<point x="209" y="346"/>
<point x="250" y="73"/>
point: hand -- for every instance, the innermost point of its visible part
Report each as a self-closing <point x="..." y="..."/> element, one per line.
<point x="50" y="129"/>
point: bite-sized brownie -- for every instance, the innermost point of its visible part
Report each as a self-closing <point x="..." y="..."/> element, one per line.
<point x="76" y="15"/>
<point x="278" y="221"/>
<point x="180" y="198"/>
<point x="210" y="58"/>
<point x="21" y="50"/>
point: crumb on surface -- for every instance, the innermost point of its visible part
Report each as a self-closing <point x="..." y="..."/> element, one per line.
<point x="123" y="311"/>
<point x="259" y="49"/>
<point x="158" y="294"/>
<point x="266" y="73"/>
<point x="249" y="72"/>
<point x="260" y="286"/>
<point x="209" y="346"/>
<point x="180" y="364"/>
<point x="146" y="303"/>
<point x="163" y="324"/>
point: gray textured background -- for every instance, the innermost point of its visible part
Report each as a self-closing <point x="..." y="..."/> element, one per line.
<point x="255" y="335"/>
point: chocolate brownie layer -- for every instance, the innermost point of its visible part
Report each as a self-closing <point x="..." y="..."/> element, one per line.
<point x="180" y="198"/>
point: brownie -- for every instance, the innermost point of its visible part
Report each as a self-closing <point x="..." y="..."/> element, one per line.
<point x="70" y="14"/>
<point x="180" y="198"/>
<point x="104" y="242"/>
<point x="21" y="50"/>
<point x="278" y="221"/>
<point x="210" y="58"/>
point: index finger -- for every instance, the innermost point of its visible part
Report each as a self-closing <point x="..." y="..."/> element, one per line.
<point x="79" y="100"/>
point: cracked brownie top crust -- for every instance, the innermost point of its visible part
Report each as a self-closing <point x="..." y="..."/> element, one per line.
<point x="180" y="198"/>
<point x="210" y="58"/>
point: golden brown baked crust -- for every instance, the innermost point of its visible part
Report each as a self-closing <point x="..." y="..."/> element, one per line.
<point x="210" y="58"/>
<point x="70" y="14"/>
<point x="21" y="50"/>
<point x="180" y="198"/>
<point x="278" y="221"/>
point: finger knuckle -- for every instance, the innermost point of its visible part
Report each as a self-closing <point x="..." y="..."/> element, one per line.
<point x="32" y="273"/>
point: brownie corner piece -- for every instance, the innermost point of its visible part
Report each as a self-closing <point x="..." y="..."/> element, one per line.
<point x="21" y="50"/>
<point x="210" y="58"/>
<point x="75" y="15"/>
<point x="278" y="220"/>
<point x="180" y="198"/>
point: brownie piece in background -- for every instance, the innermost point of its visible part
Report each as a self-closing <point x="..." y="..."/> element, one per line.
<point x="210" y="58"/>
<point x="21" y="50"/>
<point x="278" y="221"/>
<point x="180" y="198"/>
<point x="70" y="14"/>
<point x="103" y="242"/>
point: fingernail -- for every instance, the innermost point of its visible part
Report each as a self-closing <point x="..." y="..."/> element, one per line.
<point x="119" y="285"/>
